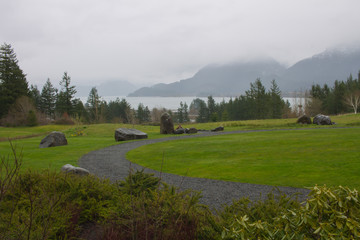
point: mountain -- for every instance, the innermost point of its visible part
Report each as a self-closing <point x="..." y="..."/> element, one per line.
<point x="109" y="88"/>
<point x="235" y="78"/>
<point x="322" y="68"/>
<point x="217" y="80"/>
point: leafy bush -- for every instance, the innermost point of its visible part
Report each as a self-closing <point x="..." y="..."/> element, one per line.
<point x="156" y="211"/>
<point x="329" y="213"/>
<point x="139" y="182"/>
<point x="52" y="205"/>
<point x="31" y="119"/>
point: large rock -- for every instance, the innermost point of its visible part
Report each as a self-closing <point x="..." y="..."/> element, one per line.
<point x="125" y="134"/>
<point x="166" y="124"/>
<point x="304" y="119"/>
<point x="322" y="120"/>
<point x="191" y="130"/>
<point x="179" y="131"/>
<point x="54" y="139"/>
<point x="221" y="128"/>
<point x="68" y="168"/>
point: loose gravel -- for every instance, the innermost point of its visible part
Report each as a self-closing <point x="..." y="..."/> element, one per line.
<point x="111" y="163"/>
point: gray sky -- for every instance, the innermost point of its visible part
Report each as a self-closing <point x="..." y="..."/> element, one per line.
<point x="152" y="41"/>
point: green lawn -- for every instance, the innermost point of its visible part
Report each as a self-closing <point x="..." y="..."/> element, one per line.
<point x="208" y="153"/>
<point x="94" y="137"/>
<point x="297" y="158"/>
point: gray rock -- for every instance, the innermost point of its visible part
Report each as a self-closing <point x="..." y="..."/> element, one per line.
<point x="322" y="120"/>
<point x="68" y="168"/>
<point x="304" y="119"/>
<point x="179" y="131"/>
<point x="221" y="128"/>
<point x="54" y="139"/>
<point x="166" y="124"/>
<point x="125" y="134"/>
<point x="191" y="130"/>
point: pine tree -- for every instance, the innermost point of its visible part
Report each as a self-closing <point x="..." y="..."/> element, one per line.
<point x="143" y="113"/>
<point x="258" y="100"/>
<point x="13" y="82"/>
<point x="277" y="104"/>
<point x="186" y="113"/>
<point x="180" y="113"/>
<point x="35" y="95"/>
<point x="203" y="111"/>
<point x="93" y="105"/>
<point x="212" y="109"/>
<point x="65" y="102"/>
<point x="48" y="99"/>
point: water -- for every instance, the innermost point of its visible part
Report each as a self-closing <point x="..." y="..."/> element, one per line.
<point x="173" y="103"/>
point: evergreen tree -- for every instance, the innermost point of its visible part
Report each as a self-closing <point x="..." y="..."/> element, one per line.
<point x="119" y="111"/>
<point x="258" y="100"/>
<point x="93" y="105"/>
<point x="277" y="104"/>
<point x="35" y="96"/>
<point x="212" y="116"/>
<point x="143" y="113"/>
<point x="65" y="103"/>
<point x="13" y="82"/>
<point x="186" y="113"/>
<point x="80" y="111"/>
<point x="203" y="111"/>
<point x="48" y="99"/>
<point x="180" y="113"/>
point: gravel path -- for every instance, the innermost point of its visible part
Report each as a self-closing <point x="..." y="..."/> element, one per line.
<point x="111" y="163"/>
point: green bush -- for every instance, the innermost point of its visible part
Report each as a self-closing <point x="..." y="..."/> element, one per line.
<point x="53" y="205"/>
<point x="154" y="210"/>
<point x="329" y="213"/>
<point x="32" y="119"/>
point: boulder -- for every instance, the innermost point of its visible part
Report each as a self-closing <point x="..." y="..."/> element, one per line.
<point x="166" y="124"/>
<point x="54" y="139"/>
<point x="68" y="168"/>
<point x="304" y="119"/>
<point x="191" y="130"/>
<point x="221" y="128"/>
<point x="125" y="134"/>
<point x="179" y="131"/>
<point x="322" y="120"/>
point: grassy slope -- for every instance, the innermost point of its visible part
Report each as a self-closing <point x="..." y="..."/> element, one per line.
<point x="102" y="135"/>
<point x="94" y="137"/>
<point x="286" y="158"/>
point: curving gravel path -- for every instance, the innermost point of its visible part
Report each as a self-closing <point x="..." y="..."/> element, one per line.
<point x="111" y="163"/>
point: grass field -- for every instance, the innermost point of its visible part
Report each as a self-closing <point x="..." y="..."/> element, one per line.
<point x="81" y="140"/>
<point x="263" y="152"/>
<point x="296" y="158"/>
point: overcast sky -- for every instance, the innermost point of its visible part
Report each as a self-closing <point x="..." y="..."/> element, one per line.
<point x="152" y="41"/>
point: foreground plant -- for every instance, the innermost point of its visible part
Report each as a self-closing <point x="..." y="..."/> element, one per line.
<point x="53" y="205"/>
<point x="329" y="213"/>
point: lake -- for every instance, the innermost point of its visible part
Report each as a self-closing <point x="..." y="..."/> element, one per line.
<point x="173" y="103"/>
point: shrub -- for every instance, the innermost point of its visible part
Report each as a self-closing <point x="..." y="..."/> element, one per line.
<point x="329" y="213"/>
<point x="53" y="205"/>
<point x="31" y="119"/>
<point x="155" y="210"/>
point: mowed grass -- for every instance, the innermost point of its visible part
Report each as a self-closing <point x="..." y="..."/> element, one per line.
<point x="297" y="158"/>
<point x="97" y="136"/>
<point x="81" y="140"/>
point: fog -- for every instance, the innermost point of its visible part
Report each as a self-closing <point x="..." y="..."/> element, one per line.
<point x="147" y="42"/>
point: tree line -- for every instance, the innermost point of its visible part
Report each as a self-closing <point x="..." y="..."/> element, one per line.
<point x="342" y="97"/>
<point x="256" y="103"/>
<point x="24" y="105"/>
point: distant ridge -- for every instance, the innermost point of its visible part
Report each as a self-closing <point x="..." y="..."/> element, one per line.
<point x="108" y="88"/>
<point x="234" y="79"/>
